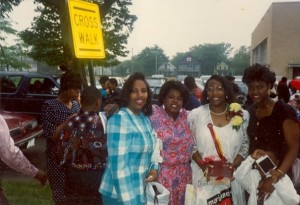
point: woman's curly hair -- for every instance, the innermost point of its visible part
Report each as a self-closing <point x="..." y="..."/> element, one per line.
<point x="173" y="85"/>
<point x="259" y="72"/>
<point x="127" y="90"/>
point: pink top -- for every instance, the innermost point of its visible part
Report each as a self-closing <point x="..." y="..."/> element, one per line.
<point x="11" y="155"/>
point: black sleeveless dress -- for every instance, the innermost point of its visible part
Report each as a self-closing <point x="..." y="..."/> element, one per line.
<point x="267" y="133"/>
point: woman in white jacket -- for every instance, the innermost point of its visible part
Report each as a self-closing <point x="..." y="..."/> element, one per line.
<point x="284" y="192"/>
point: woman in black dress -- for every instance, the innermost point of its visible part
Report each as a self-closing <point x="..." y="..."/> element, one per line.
<point x="55" y="112"/>
<point x="272" y="124"/>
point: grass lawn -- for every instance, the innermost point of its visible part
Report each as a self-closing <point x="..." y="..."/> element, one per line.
<point x="26" y="192"/>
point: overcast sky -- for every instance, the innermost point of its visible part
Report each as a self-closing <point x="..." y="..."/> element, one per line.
<point x="177" y="25"/>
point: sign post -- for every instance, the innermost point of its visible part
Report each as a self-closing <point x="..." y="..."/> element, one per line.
<point x="86" y="29"/>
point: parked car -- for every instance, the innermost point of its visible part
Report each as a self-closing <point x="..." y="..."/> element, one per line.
<point x="23" y="128"/>
<point x="26" y="92"/>
<point x="155" y="85"/>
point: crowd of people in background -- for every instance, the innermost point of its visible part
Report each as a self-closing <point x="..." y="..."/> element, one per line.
<point x="91" y="160"/>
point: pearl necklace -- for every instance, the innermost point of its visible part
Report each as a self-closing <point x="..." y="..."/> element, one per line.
<point x="221" y="113"/>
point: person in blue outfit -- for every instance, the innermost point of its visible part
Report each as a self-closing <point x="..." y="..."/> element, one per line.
<point x="130" y="141"/>
<point x="191" y="85"/>
<point x="103" y="90"/>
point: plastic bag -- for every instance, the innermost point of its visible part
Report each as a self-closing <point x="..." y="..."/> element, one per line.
<point x="208" y="194"/>
<point x="157" y="194"/>
<point x="296" y="173"/>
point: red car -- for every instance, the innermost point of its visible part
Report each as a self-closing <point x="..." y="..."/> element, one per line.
<point x="23" y="128"/>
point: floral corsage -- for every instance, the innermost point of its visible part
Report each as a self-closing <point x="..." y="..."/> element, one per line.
<point x="236" y="115"/>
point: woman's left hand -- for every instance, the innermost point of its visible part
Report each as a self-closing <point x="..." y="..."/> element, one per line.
<point x="265" y="187"/>
<point x="152" y="176"/>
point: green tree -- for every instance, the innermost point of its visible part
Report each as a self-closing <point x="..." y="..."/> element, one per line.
<point x="149" y="60"/>
<point x="45" y="37"/>
<point x="177" y="58"/>
<point x="123" y="68"/>
<point x="5" y="28"/>
<point x="240" y="60"/>
<point x="7" y="6"/>
<point x="208" y="55"/>
<point x="211" y="54"/>
<point x="12" y="56"/>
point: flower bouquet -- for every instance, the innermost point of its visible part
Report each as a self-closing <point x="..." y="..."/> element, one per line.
<point x="236" y="115"/>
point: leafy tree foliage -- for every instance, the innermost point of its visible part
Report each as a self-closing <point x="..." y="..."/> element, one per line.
<point x="10" y="56"/>
<point x="149" y="58"/>
<point x="7" y="6"/>
<point x="5" y="28"/>
<point x="48" y="41"/>
<point x="15" y="58"/>
<point x="211" y="54"/>
<point x="123" y="69"/>
<point x="45" y="37"/>
<point x="177" y="58"/>
<point x="241" y="60"/>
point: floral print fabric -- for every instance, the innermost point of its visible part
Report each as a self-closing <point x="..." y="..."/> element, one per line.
<point x="175" y="171"/>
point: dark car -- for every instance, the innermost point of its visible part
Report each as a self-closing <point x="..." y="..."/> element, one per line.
<point x="23" y="128"/>
<point x="26" y="92"/>
<point x="155" y="85"/>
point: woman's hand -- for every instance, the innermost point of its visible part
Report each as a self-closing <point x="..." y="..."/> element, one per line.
<point x="152" y="176"/>
<point x="258" y="153"/>
<point x="61" y="126"/>
<point x="265" y="187"/>
<point x="110" y="109"/>
<point x="276" y="175"/>
<point x="197" y="158"/>
<point x="41" y="177"/>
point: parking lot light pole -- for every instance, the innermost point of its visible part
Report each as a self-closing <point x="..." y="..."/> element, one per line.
<point x="132" y="61"/>
<point x="156" y="63"/>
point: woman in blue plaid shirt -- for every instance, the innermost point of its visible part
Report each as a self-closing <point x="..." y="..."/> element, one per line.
<point x="130" y="142"/>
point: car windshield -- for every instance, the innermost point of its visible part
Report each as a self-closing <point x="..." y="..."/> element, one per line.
<point x="9" y="84"/>
<point x="155" y="82"/>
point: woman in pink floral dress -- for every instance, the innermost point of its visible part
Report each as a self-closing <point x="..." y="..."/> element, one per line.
<point x="169" y="120"/>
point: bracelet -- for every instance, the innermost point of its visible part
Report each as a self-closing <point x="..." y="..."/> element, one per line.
<point x="281" y="172"/>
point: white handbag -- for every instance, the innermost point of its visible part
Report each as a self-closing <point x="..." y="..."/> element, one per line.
<point x="157" y="194"/>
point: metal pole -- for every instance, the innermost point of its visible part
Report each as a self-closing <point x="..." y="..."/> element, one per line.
<point x="156" y="62"/>
<point x="91" y="72"/>
<point x="132" y="61"/>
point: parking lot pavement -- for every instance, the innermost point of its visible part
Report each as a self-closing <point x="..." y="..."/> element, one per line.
<point x="36" y="156"/>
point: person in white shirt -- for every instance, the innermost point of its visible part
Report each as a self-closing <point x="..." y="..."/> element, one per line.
<point x="13" y="157"/>
<point x="283" y="190"/>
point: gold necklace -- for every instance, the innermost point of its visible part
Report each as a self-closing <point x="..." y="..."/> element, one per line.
<point x="220" y="113"/>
